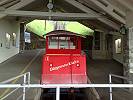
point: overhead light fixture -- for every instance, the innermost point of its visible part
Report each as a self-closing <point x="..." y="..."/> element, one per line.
<point x="123" y="29"/>
<point x="50" y="7"/>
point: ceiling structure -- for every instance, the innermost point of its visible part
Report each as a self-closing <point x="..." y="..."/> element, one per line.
<point x="96" y="14"/>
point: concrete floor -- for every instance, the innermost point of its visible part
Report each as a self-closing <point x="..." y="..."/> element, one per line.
<point x="98" y="72"/>
<point x="30" y="61"/>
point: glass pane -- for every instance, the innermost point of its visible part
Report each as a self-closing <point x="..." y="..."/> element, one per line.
<point x="73" y="43"/>
<point x="63" y="42"/>
<point x="53" y="42"/>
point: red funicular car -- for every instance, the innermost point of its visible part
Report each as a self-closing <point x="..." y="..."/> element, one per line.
<point x="63" y="61"/>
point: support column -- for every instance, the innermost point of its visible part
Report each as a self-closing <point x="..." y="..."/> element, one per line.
<point x="22" y="39"/>
<point x="103" y="41"/>
<point x="128" y="48"/>
<point x="126" y="66"/>
<point x="130" y="42"/>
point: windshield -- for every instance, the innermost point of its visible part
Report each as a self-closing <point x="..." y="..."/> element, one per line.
<point x="62" y="42"/>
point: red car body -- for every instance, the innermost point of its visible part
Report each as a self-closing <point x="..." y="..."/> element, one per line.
<point x="63" y="61"/>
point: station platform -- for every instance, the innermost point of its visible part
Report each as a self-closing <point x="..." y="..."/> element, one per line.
<point x="26" y="61"/>
<point x="98" y="73"/>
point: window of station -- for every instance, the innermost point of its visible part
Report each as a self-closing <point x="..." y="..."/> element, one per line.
<point x="62" y="43"/>
<point x="97" y="40"/>
<point x="118" y="47"/>
<point x="14" y="39"/>
<point x="8" y="40"/>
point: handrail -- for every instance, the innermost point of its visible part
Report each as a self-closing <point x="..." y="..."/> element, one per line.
<point x="110" y="82"/>
<point x="11" y="79"/>
<point x="118" y="76"/>
<point x="21" y="95"/>
<point x="26" y="80"/>
<point x="65" y="86"/>
<point x="58" y="86"/>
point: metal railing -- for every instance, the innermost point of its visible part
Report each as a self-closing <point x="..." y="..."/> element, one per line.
<point x="110" y="82"/>
<point x="26" y="84"/>
<point x="26" y="80"/>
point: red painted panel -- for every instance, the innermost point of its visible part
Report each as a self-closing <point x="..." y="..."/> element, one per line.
<point x="64" y="69"/>
<point x="56" y="79"/>
<point x="56" y="69"/>
<point x="79" y="69"/>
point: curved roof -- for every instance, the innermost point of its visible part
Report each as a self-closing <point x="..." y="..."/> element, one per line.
<point x="63" y="33"/>
<point x="42" y="27"/>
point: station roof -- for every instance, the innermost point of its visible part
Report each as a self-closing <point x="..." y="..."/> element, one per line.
<point x="42" y="27"/>
<point x="96" y="14"/>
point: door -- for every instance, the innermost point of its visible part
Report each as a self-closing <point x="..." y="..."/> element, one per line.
<point x="79" y="69"/>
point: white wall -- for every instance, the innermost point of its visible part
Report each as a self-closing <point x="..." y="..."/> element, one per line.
<point x="9" y="27"/>
<point x="117" y="56"/>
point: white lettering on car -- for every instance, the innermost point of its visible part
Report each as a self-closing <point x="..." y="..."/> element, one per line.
<point x="64" y="65"/>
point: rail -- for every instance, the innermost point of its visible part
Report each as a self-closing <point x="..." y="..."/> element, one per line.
<point x="110" y="82"/>
<point x="94" y="91"/>
<point x="26" y="84"/>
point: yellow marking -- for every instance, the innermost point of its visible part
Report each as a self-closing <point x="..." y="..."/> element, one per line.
<point x="22" y="72"/>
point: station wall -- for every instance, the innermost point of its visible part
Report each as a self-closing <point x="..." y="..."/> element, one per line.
<point x="9" y="39"/>
<point x="108" y="50"/>
<point x="102" y="53"/>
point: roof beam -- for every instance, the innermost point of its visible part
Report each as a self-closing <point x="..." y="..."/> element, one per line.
<point x="81" y="7"/>
<point x="111" y="10"/>
<point x="94" y="26"/>
<point x="125" y="4"/>
<point x="90" y="11"/>
<point x="18" y="6"/>
<point x="9" y="3"/>
<point x="21" y="4"/>
<point x="109" y="23"/>
<point x="46" y="15"/>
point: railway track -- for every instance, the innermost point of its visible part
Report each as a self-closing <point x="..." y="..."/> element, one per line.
<point x="65" y="94"/>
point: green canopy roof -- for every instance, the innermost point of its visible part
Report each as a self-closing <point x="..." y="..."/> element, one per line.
<point x="42" y="27"/>
<point x="78" y="28"/>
